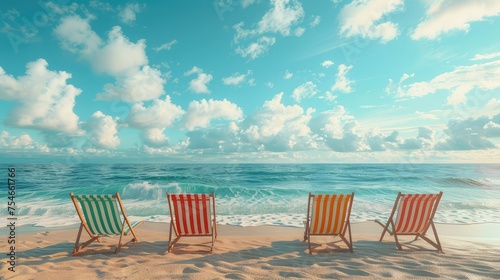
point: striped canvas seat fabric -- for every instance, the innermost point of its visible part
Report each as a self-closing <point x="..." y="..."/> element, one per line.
<point x="192" y="214"/>
<point x="414" y="212"/>
<point x="329" y="213"/>
<point x="101" y="214"/>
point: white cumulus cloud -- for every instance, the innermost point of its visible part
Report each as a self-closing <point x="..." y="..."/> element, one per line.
<point x="342" y="83"/>
<point x="277" y="127"/>
<point x="338" y="130"/>
<point x="365" y="18"/>
<point x="327" y="63"/>
<point x="306" y="90"/>
<point x="103" y="130"/>
<point x="44" y="100"/>
<point x="154" y="137"/>
<point x="282" y="18"/>
<point x="161" y="114"/>
<point x="117" y="56"/>
<point x="12" y="142"/>
<point x="129" y="13"/>
<point x="145" y="84"/>
<point x="470" y="134"/>
<point x="200" y="113"/>
<point x="200" y="83"/>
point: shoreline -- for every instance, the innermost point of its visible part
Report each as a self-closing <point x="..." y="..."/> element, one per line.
<point x="473" y="230"/>
<point x="258" y="252"/>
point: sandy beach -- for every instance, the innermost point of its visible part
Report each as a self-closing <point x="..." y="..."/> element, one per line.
<point x="260" y="252"/>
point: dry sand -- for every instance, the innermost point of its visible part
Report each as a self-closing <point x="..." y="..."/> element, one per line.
<point x="260" y="252"/>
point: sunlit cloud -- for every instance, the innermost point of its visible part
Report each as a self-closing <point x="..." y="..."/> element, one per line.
<point x="200" y="83"/>
<point x="458" y="83"/>
<point x="451" y="15"/>
<point x="129" y="13"/>
<point x="200" y="113"/>
<point x="365" y="18"/>
<point x="44" y="101"/>
<point x="342" y="82"/>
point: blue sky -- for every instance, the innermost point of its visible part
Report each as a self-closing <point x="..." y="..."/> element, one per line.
<point x="250" y="81"/>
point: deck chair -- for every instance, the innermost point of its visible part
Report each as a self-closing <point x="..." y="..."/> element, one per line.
<point x="100" y="216"/>
<point x="328" y="214"/>
<point x="415" y="213"/>
<point x="191" y="216"/>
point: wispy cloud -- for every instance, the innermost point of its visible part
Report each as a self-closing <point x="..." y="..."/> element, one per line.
<point x="315" y="21"/>
<point x="306" y="90"/>
<point x="129" y="12"/>
<point x="166" y="46"/>
<point x="258" y="48"/>
<point x="281" y="18"/>
<point x="236" y="78"/>
<point x="459" y="82"/>
<point x="450" y="15"/>
<point x="486" y="56"/>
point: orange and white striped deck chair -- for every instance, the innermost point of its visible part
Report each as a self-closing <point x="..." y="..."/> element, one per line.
<point x="328" y="214"/>
<point x="415" y="213"/>
<point x="192" y="215"/>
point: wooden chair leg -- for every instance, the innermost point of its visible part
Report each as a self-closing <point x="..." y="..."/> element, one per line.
<point x="117" y="250"/>
<point x="213" y="242"/>
<point x="397" y="242"/>
<point x="309" y="240"/>
<point x="78" y="247"/>
<point x="436" y="244"/>
<point x="170" y="245"/>
<point x="386" y="226"/>
<point x="437" y="238"/>
<point x="350" y="237"/>
<point x="75" y="249"/>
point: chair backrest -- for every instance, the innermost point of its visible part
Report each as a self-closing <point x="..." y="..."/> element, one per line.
<point x="329" y="212"/>
<point x="415" y="212"/>
<point x="100" y="213"/>
<point x="192" y="213"/>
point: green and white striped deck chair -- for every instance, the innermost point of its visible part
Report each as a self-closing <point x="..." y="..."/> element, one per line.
<point x="100" y="216"/>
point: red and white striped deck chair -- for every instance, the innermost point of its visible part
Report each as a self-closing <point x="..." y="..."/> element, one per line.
<point x="415" y="213"/>
<point x="191" y="216"/>
<point x="329" y="215"/>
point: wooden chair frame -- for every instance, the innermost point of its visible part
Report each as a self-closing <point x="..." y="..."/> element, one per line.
<point x="93" y="236"/>
<point x="390" y="226"/>
<point x="342" y="232"/>
<point x="178" y="234"/>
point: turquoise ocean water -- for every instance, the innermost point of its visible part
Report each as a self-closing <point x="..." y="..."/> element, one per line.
<point x="254" y="194"/>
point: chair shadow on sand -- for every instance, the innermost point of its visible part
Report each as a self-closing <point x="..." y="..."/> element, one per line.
<point x="62" y="252"/>
<point x="292" y="254"/>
